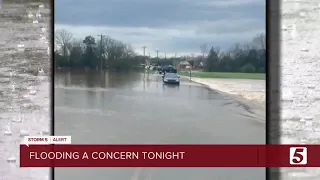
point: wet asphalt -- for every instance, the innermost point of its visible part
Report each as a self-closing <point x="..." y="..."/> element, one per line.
<point x="107" y="108"/>
<point x="130" y="108"/>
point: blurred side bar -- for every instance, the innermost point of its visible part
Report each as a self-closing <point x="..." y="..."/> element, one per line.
<point x="273" y="79"/>
<point x="24" y="81"/>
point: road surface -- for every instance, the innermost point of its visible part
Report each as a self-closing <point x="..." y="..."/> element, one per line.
<point x="115" y="108"/>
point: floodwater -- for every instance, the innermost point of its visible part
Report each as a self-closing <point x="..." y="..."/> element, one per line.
<point x="115" y="108"/>
<point x="24" y="91"/>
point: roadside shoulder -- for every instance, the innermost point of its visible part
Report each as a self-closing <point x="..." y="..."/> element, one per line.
<point x="250" y="93"/>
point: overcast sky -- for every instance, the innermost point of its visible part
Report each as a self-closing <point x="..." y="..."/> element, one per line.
<point x="169" y="26"/>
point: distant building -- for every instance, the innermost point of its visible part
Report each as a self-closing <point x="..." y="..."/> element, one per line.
<point x="184" y="65"/>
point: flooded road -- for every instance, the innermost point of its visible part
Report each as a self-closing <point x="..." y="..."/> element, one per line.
<point x="24" y="83"/>
<point x="113" y="108"/>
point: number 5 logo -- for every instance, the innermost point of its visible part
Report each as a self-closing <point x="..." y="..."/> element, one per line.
<point x="298" y="155"/>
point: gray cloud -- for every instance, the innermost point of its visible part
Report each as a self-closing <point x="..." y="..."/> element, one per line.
<point x="171" y="25"/>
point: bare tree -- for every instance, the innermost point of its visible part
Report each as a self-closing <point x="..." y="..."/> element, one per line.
<point x="128" y="51"/>
<point x="259" y="41"/>
<point x="246" y="47"/>
<point x="204" y="50"/>
<point x="115" y="50"/>
<point x="78" y="43"/>
<point x="217" y="50"/>
<point x="236" y="50"/>
<point x="63" y="39"/>
<point x="76" y="50"/>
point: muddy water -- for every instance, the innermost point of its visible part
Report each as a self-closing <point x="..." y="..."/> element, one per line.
<point x="24" y="87"/>
<point x="133" y="108"/>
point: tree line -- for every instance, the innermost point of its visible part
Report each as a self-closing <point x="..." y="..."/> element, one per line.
<point x="89" y="53"/>
<point x="109" y="53"/>
<point x="247" y="58"/>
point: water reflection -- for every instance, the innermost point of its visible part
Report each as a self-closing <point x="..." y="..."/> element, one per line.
<point x="96" y="79"/>
<point x="134" y="108"/>
<point x="132" y="83"/>
<point x="170" y="87"/>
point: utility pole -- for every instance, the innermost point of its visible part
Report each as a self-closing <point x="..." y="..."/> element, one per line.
<point x="144" y="50"/>
<point x="145" y="60"/>
<point x="174" y="60"/>
<point x="144" y="55"/>
<point x="101" y="49"/>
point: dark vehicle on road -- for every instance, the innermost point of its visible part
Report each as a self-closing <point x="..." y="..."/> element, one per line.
<point x="168" y="69"/>
<point x="160" y="69"/>
<point x="171" y="78"/>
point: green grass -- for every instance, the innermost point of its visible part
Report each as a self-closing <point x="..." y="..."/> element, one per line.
<point x="200" y="74"/>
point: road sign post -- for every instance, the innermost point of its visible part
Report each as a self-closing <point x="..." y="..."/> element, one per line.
<point x="189" y="67"/>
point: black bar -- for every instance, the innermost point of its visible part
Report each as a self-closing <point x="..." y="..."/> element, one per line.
<point x="273" y="79"/>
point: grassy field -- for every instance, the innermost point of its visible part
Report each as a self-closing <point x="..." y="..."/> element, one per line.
<point x="201" y="74"/>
